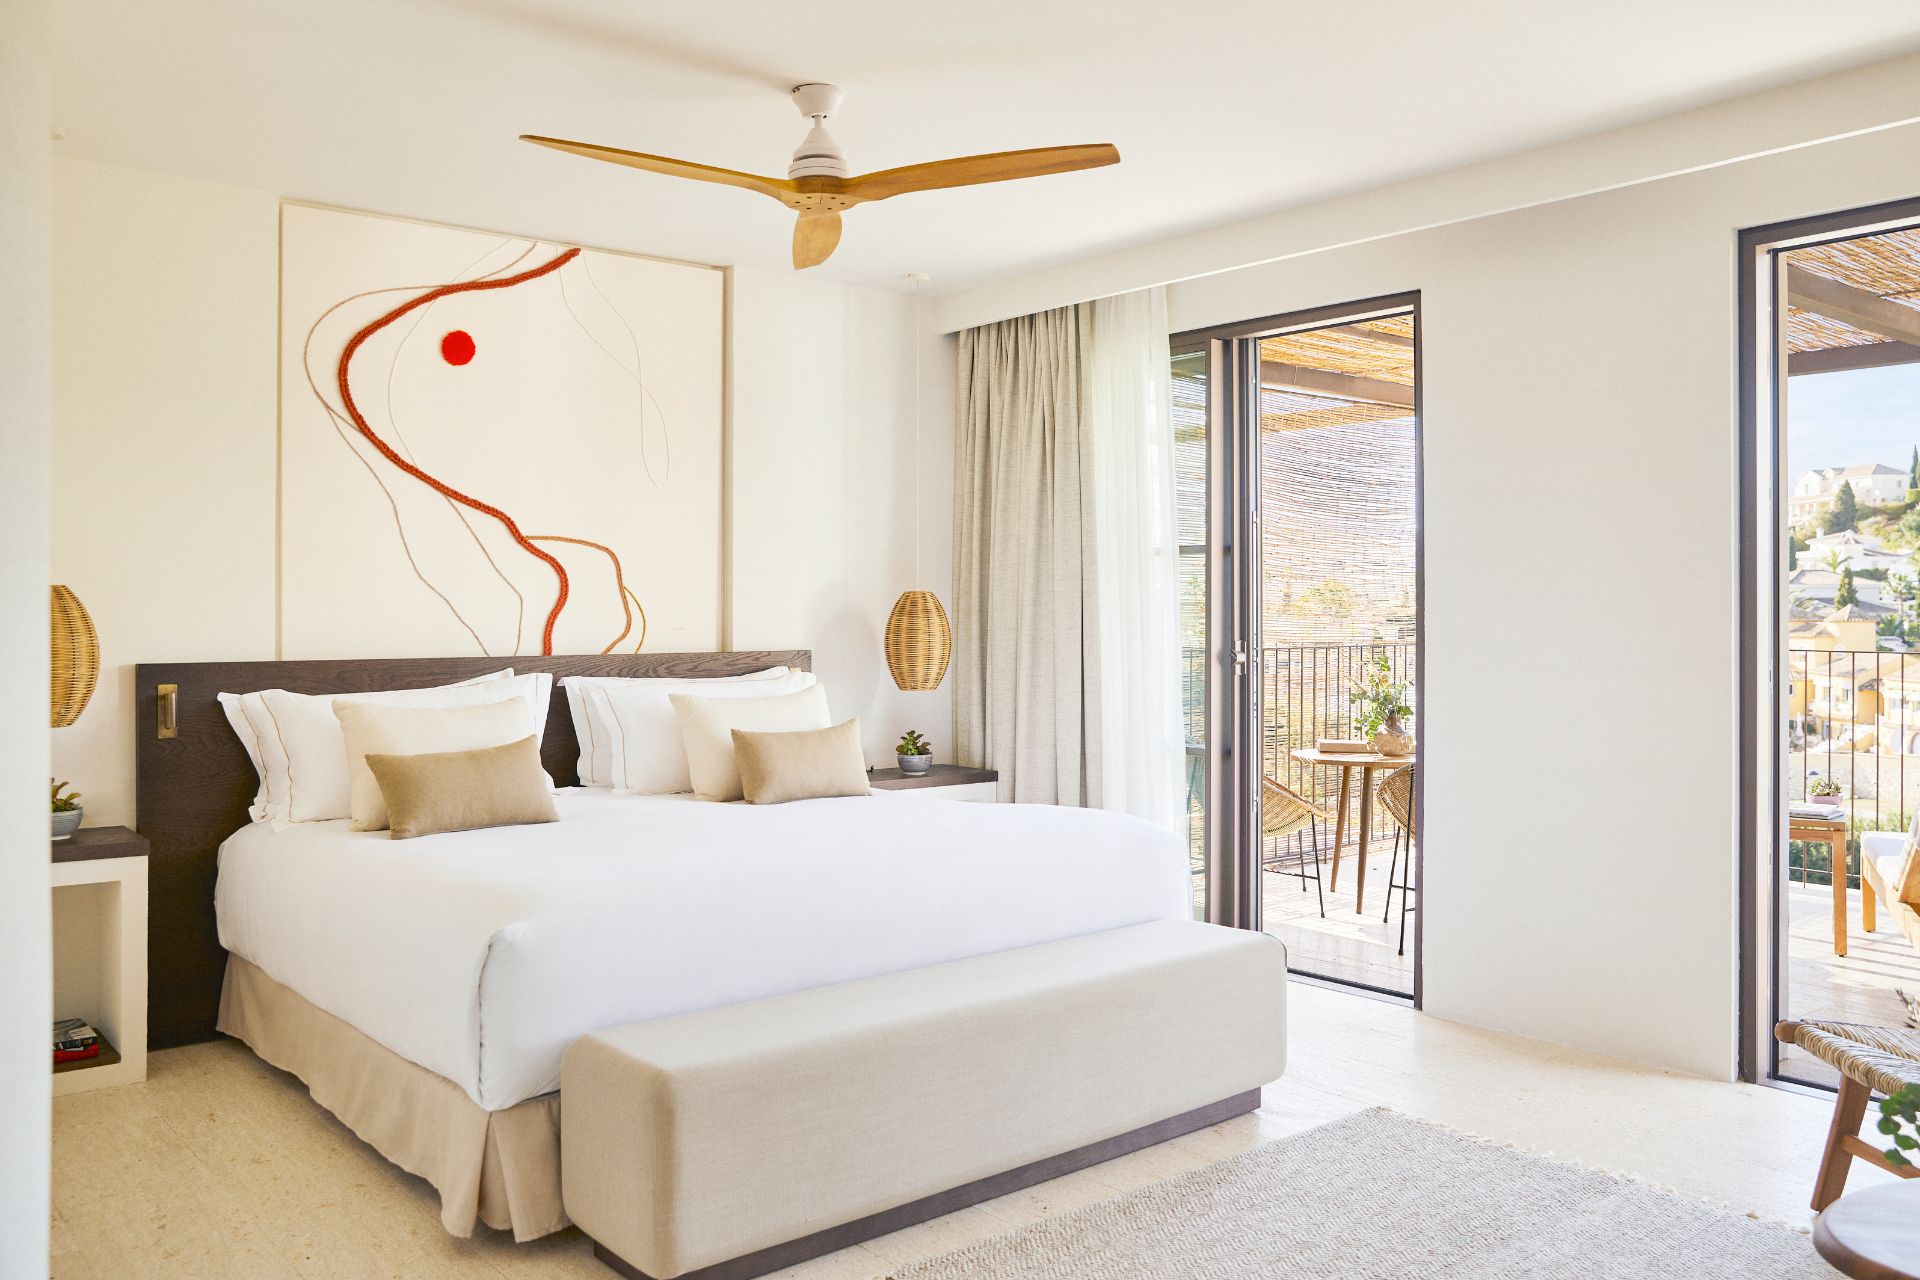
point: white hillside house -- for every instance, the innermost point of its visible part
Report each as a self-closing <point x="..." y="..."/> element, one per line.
<point x="1874" y="484"/>
<point x="1850" y="549"/>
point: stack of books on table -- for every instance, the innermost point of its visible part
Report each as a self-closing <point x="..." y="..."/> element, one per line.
<point x="1345" y="746"/>
<point x="1816" y="809"/>
<point x="73" y="1040"/>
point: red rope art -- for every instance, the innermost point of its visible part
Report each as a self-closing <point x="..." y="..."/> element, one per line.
<point x="440" y="486"/>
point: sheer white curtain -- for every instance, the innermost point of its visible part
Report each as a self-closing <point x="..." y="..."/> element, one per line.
<point x="1143" y="748"/>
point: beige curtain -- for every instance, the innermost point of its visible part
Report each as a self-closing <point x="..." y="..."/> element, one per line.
<point x="1026" y="657"/>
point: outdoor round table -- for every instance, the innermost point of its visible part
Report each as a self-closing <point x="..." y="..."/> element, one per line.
<point x="1367" y="762"/>
<point x="1873" y="1234"/>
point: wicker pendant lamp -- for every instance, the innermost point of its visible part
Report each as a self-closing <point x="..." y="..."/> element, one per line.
<point x="76" y="657"/>
<point x="919" y="638"/>
<point x="919" y="641"/>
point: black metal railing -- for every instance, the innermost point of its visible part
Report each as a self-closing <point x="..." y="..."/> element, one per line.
<point x="1853" y="720"/>
<point x="1306" y="694"/>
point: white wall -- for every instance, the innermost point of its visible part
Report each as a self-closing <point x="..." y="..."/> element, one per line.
<point x="25" y="380"/>
<point x="166" y="307"/>
<point x="824" y="507"/>
<point x="1578" y="359"/>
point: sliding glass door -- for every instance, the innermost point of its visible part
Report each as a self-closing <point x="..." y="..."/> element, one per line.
<point x="1831" y="623"/>
<point x="1298" y="448"/>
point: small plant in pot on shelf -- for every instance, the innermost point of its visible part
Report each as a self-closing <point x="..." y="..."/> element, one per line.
<point x="915" y="753"/>
<point x="1379" y="700"/>
<point x="66" y="811"/>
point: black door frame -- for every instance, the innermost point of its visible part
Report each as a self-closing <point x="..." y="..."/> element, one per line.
<point x="1233" y="602"/>
<point x="1762" y="534"/>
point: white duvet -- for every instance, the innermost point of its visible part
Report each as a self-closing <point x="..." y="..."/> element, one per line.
<point x="481" y="955"/>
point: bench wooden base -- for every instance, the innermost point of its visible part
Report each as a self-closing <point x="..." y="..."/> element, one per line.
<point x="779" y="1256"/>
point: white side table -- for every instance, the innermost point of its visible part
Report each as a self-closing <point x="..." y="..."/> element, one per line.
<point x="100" y="952"/>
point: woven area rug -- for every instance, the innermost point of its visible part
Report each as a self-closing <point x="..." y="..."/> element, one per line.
<point x="1380" y="1195"/>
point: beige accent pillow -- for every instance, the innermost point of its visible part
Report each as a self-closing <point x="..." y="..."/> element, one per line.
<point x="439" y="791"/>
<point x="371" y="728"/>
<point x="707" y="725"/>
<point x="806" y="765"/>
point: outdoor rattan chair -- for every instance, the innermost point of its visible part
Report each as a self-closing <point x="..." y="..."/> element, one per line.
<point x="1285" y="812"/>
<point x="1396" y="797"/>
<point x="1869" y="1060"/>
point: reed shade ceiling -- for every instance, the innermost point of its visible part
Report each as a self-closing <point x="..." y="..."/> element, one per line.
<point x="919" y="641"/>
<point x="1346" y="349"/>
<point x="1886" y="265"/>
<point x="76" y="657"/>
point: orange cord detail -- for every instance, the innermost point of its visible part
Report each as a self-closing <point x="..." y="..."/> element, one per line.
<point x="353" y="412"/>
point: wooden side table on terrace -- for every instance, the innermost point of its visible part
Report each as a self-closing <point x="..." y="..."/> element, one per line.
<point x="1832" y="832"/>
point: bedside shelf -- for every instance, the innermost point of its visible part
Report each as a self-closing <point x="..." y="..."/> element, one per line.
<point x="942" y="782"/>
<point x="108" y="1057"/>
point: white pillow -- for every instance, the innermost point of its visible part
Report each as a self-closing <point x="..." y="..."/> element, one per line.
<point x="306" y="757"/>
<point x="707" y="725"/>
<point x="247" y="713"/>
<point x="369" y="728"/>
<point x="629" y="737"/>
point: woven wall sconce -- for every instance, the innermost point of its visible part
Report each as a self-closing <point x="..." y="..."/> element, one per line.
<point x="76" y="657"/>
<point x="919" y="641"/>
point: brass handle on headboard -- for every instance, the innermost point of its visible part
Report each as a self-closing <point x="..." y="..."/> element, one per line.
<point x="169" y="708"/>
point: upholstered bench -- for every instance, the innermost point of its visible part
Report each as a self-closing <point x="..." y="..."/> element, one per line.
<point x="735" y="1141"/>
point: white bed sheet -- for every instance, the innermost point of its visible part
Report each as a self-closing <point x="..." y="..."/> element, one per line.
<point x="481" y="955"/>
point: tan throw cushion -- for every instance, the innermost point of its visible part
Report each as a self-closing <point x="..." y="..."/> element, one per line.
<point x="464" y="790"/>
<point x="807" y="765"/>
<point x="707" y="725"/>
<point x="371" y="728"/>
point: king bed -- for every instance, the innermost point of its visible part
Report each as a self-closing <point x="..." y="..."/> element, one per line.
<point x="425" y="990"/>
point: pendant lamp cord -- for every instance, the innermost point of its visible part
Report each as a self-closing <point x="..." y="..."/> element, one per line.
<point x="919" y="338"/>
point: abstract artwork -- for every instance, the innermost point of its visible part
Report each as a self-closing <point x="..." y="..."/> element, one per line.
<point x="492" y="444"/>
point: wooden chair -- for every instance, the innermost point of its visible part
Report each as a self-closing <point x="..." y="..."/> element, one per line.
<point x="1285" y="812"/>
<point x="1869" y="1060"/>
<point x="1396" y="797"/>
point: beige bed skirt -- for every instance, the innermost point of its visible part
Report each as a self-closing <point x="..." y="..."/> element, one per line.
<point x="497" y="1167"/>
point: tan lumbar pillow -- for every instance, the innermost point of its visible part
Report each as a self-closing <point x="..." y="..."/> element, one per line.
<point x="810" y="764"/>
<point x="464" y="790"/>
<point x="373" y="728"/>
<point x="707" y="725"/>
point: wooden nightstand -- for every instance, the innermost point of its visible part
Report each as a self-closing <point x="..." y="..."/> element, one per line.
<point x="100" y="952"/>
<point x="942" y="782"/>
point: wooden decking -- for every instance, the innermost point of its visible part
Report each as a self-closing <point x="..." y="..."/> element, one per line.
<point x="1861" y="986"/>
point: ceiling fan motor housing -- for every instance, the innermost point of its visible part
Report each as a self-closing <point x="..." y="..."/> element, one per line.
<point x="818" y="155"/>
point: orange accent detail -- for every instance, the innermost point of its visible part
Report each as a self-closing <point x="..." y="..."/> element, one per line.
<point x="353" y="412"/>
<point x="619" y="582"/>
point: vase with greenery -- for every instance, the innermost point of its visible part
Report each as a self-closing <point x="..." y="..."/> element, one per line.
<point x="915" y="753"/>
<point x="1379" y="701"/>
<point x="66" y="810"/>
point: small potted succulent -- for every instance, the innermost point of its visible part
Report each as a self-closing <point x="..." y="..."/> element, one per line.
<point x="1825" y="790"/>
<point x="915" y="753"/>
<point x="66" y="811"/>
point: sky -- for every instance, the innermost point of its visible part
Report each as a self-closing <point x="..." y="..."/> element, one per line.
<point x="1862" y="415"/>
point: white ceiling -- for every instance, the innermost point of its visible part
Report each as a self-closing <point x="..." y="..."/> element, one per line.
<point x="1220" y="110"/>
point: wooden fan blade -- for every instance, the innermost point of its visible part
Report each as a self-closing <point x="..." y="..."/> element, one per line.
<point x="967" y="171"/>
<point x="815" y="237"/>
<point x="779" y="188"/>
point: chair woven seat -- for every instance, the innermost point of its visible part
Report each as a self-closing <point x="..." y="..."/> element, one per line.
<point x="1284" y="811"/>
<point x="1884" y="1058"/>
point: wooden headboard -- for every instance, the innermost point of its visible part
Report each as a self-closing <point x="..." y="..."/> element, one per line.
<point x="193" y="789"/>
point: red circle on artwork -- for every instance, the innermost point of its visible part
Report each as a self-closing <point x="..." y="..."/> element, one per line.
<point x="456" y="347"/>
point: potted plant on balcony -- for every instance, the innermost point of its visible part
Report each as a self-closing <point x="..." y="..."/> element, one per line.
<point x="66" y="811"/>
<point x="1380" y="701"/>
<point x="915" y="753"/>
<point x="1824" y="790"/>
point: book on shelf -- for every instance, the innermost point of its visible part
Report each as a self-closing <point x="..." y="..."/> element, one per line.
<point x="75" y="1037"/>
<point x="76" y="1055"/>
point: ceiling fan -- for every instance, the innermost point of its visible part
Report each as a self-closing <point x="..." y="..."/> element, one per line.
<point x="817" y="186"/>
